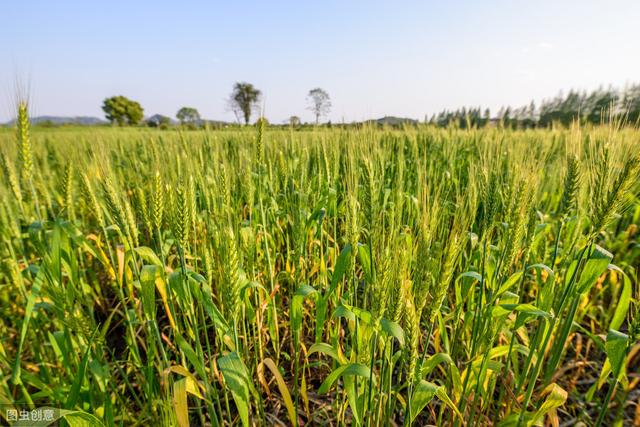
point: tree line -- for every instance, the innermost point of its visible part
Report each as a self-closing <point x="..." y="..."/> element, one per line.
<point x="244" y="101"/>
<point x="599" y="106"/>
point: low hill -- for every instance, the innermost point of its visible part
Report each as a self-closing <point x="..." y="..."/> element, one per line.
<point x="62" y="120"/>
<point x="393" y="121"/>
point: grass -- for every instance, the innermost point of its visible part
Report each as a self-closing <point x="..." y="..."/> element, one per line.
<point x="321" y="277"/>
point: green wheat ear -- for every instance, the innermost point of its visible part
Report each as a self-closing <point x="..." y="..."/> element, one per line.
<point x="231" y="296"/>
<point x="260" y="142"/>
<point x="67" y="189"/>
<point x="24" y="142"/>
<point x="114" y="203"/>
<point x="181" y="218"/>
<point x="12" y="179"/>
<point x="91" y="200"/>
<point x="571" y="183"/>
<point x="618" y="197"/>
<point x="157" y="202"/>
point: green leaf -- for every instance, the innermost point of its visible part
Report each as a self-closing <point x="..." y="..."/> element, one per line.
<point x="81" y="419"/>
<point x="148" y="255"/>
<point x="325" y="348"/>
<point x="79" y="377"/>
<point x="442" y="395"/>
<point x="350" y="312"/>
<point x="526" y="309"/>
<point x="342" y="311"/>
<point x="623" y="304"/>
<point x="391" y="328"/>
<point x="191" y="355"/>
<point x="341" y="267"/>
<point x="365" y="261"/>
<point x="542" y="267"/>
<point x="616" y="348"/>
<point x="321" y="314"/>
<point x="594" y="267"/>
<point x="28" y="313"/>
<point x="434" y="360"/>
<point x="473" y="275"/>
<point x="423" y="393"/>
<point x="509" y="283"/>
<point x="148" y="276"/>
<point x="356" y="369"/>
<point x="302" y="292"/>
<point x="237" y="380"/>
<point x="73" y="418"/>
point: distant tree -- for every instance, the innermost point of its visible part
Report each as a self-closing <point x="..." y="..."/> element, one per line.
<point x="294" y="121"/>
<point x="244" y="100"/>
<point x="158" y="121"/>
<point x="319" y="102"/>
<point x="600" y="104"/>
<point x="487" y="117"/>
<point x="121" y="110"/>
<point x="630" y="104"/>
<point x="188" y="116"/>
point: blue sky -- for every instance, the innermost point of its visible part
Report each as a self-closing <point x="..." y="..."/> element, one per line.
<point x="374" y="58"/>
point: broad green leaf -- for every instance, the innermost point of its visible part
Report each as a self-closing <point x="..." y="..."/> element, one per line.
<point x="596" y="264"/>
<point x="512" y="280"/>
<point x="148" y="255"/>
<point x="73" y="418"/>
<point x="442" y="395"/>
<point x="434" y="360"/>
<point x="616" y="346"/>
<point x="191" y="355"/>
<point x="365" y="261"/>
<point x="342" y="311"/>
<point x="79" y="377"/>
<point x="302" y="292"/>
<point x="526" y="309"/>
<point x="423" y="393"/>
<point x="28" y="313"/>
<point x="176" y="282"/>
<point x="321" y="314"/>
<point x="237" y="380"/>
<point x="623" y="304"/>
<point x="543" y="267"/>
<point x="356" y="369"/>
<point x="351" y="313"/>
<point x="325" y="348"/>
<point x="148" y="276"/>
<point x="391" y="328"/>
<point x="473" y="275"/>
<point x="81" y="419"/>
<point x="354" y="397"/>
<point x="340" y="268"/>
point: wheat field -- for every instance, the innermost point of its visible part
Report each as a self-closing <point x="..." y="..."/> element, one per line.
<point x="347" y="276"/>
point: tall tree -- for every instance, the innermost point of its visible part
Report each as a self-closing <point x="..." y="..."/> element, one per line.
<point x="188" y="116"/>
<point x="319" y="102"/>
<point x="294" y="121"/>
<point x="243" y="100"/>
<point x="122" y="110"/>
